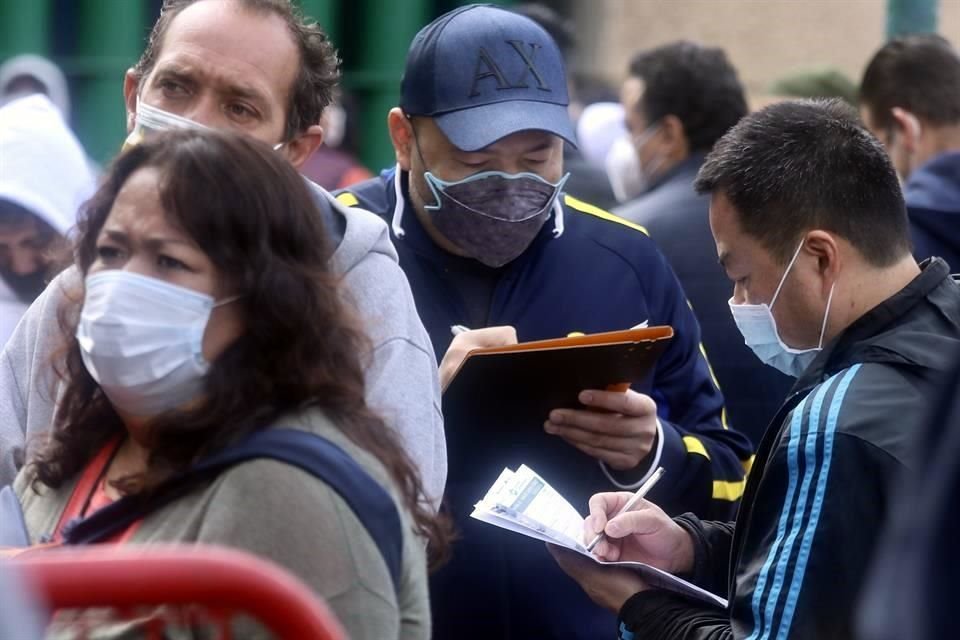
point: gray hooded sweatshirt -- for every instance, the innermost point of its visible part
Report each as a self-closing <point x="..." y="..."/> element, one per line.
<point x="401" y="383"/>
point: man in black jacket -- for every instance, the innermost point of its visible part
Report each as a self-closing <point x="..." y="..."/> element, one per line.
<point x="912" y="591"/>
<point x="811" y="226"/>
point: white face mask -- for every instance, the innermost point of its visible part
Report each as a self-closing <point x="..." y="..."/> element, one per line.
<point x="141" y="340"/>
<point x="759" y="330"/>
<point x="150" y="120"/>
<point x="649" y="170"/>
<point x="629" y="176"/>
<point x="623" y="170"/>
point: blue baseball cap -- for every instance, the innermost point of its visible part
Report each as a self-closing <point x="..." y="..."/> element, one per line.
<point x="483" y="73"/>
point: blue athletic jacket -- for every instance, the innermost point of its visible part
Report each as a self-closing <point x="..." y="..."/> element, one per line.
<point x="587" y="271"/>
<point x="820" y="491"/>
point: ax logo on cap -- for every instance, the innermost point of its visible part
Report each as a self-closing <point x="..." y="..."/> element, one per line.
<point x="487" y="68"/>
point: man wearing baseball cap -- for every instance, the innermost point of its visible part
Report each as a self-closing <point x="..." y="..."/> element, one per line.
<point x="487" y="237"/>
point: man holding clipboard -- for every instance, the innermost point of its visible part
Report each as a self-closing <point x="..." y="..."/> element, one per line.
<point x="488" y="237"/>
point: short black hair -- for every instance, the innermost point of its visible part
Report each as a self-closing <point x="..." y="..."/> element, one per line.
<point x="696" y="84"/>
<point x="800" y="165"/>
<point x="919" y="73"/>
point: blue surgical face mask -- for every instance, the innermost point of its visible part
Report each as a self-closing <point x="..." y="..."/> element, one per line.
<point x="759" y="330"/>
<point x="141" y="340"/>
<point x="492" y="216"/>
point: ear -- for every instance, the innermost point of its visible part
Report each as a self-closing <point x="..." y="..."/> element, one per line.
<point x="825" y="248"/>
<point x="909" y="127"/>
<point x="299" y="150"/>
<point x="131" y="85"/>
<point x="675" y="136"/>
<point x="401" y="134"/>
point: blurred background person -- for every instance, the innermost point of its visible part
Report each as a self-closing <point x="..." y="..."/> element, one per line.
<point x="600" y="125"/>
<point x="587" y="181"/>
<point x="209" y="311"/>
<point x="679" y="99"/>
<point x="29" y="74"/>
<point x="44" y="178"/>
<point x="334" y="165"/>
<point x="910" y="100"/>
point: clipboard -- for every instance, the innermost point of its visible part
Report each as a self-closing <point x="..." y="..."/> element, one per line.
<point x="499" y="398"/>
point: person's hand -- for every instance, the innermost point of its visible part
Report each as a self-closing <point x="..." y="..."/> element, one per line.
<point x="620" y="430"/>
<point x="466" y="342"/>
<point x="609" y="587"/>
<point x="643" y="534"/>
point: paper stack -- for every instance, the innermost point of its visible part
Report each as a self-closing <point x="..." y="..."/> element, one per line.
<point x="521" y="501"/>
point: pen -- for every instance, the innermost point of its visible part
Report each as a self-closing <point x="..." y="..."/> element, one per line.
<point x="642" y="491"/>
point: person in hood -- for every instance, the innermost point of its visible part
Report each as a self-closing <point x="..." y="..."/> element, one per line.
<point x="199" y="70"/>
<point x="29" y="74"/>
<point x="489" y="238"/>
<point x="825" y="289"/>
<point x="910" y="100"/>
<point x="35" y="212"/>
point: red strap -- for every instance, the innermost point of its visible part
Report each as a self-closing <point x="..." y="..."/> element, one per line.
<point x="84" y="492"/>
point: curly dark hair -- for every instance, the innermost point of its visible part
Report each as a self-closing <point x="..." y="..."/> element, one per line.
<point x="319" y="69"/>
<point x="696" y="84"/>
<point x="253" y="215"/>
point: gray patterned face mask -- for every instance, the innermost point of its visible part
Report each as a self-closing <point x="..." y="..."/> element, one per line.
<point x="492" y="216"/>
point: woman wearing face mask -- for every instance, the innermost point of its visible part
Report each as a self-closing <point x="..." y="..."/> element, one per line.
<point x="209" y="318"/>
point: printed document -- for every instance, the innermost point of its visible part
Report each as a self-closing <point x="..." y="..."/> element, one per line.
<point x="521" y="501"/>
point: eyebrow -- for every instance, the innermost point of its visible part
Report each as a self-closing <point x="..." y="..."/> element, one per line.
<point x="543" y="146"/>
<point x="153" y="243"/>
<point x="187" y="75"/>
<point x="490" y="152"/>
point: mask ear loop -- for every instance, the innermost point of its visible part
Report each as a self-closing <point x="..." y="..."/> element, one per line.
<point x="557" y="217"/>
<point x="226" y="301"/>
<point x="416" y="143"/>
<point x="395" y="223"/>
<point x="826" y="315"/>
<point x="796" y="253"/>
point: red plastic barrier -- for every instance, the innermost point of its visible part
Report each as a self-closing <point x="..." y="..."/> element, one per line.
<point x="123" y="577"/>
